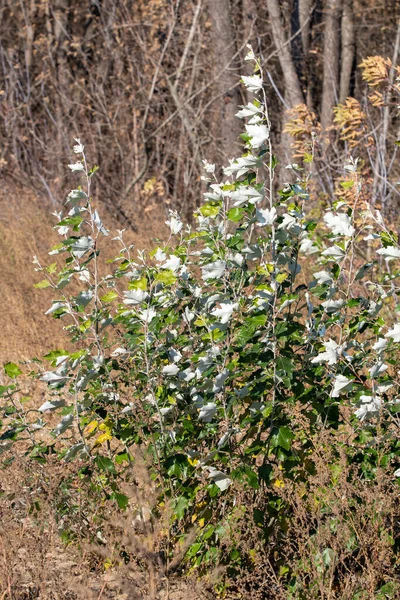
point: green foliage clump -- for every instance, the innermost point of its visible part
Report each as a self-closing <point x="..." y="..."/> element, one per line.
<point x="226" y="357"/>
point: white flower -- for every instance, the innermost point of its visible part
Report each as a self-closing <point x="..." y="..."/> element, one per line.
<point x="213" y="270"/>
<point x="78" y="149"/>
<point x="266" y="216"/>
<point x="225" y="312"/>
<point x="394" y="333"/>
<point x="77" y="167"/>
<point x="339" y="224"/>
<point x="341" y="384"/>
<point x="253" y="83"/>
<point x="258" y="133"/>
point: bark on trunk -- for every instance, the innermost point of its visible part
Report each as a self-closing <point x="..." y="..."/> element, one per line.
<point x="226" y="67"/>
<point x="292" y="83"/>
<point x="348" y="49"/>
<point x="330" y="85"/>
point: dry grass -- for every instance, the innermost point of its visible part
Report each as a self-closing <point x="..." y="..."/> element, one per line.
<point x="26" y="229"/>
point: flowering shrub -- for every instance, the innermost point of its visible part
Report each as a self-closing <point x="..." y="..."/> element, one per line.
<point x="224" y="354"/>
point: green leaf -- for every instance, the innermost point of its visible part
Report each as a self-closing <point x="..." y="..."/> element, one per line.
<point x="211" y="209"/>
<point x="235" y="214"/>
<point x="109" y="296"/>
<point x="284" y="438"/>
<point x="12" y="370"/>
<point x="166" y="276"/>
<point x="122" y="500"/>
<point x="138" y="284"/>
<point x="105" y="464"/>
<point x="42" y="284"/>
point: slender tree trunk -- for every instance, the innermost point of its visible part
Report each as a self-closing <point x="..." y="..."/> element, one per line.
<point x="348" y="49"/>
<point x="305" y="10"/>
<point x="292" y="83"/>
<point x="226" y="68"/>
<point x="330" y="85"/>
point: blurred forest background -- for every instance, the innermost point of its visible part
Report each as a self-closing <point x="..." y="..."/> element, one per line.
<point x="152" y="87"/>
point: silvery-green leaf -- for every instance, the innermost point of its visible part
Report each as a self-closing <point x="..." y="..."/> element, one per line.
<point x="147" y="315"/>
<point x="74" y="451"/>
<point x="323" y="277"/>
<point x="213" y="270"/>
<point x="220" y="479"/>
<point x="332" y="306"/>
<point x="207" y="412"/>
<point x="307" y="246"/>
<point x="250" y="110"/>
<point x="333" y="251"/>
<point x="220" y="381"/>
<point x="99" y="224"/>
<point x="332" y="352"/>
<point x="258" y="134"/>
<point x="266" y="216"/>
<point x="174" y="355"/>
<point x="389" y="252"/>
<point x="55" y="306"/>
<point x="79" y="147"/>
<point x="75" y="196"/>
<point x="84" y="297"/>
<point x="64" y="424"/>
<point x="54" y="378"/>
<point x="241" y="166"/>
<point x="174" y="223"/>
<point x="339" y="224"/>
<point x="224" y="313"/>
<point x="341" y="384"/>
<point x="51" y="405"/>
<point x="370" y="406"/>
<point x="173" y="263"/>
<point x="133" y="297"/>
<point x="127" y="409"/>
<point x="253" y="83"/>
<point x="380" y="345"/>
<point x="397" y="473"/>
<point x="246" y="194"/>
<point x="77" y="167"/>
<point x="208" y="167"/>
<point x="377" y="369"/>
<point x="119" y="352"/>
<point x="394" y="333"/>
<point x="170" y="370"/>
<point x="81" y="246"/>
<point x="187" y="375"/>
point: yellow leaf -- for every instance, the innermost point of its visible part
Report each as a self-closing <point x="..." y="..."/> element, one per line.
<point x="104" y="437"/>
<point x="201" y="523"/>
<point x="194" y="517"/>
<point x="91" y="427"/>
<point x="278" y="483"/>
<point x="193" y="461"/>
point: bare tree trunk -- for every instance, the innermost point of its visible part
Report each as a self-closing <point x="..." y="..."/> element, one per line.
<point x="305" y="9"/>
<point x="226" y="64"/>
<point x="348" y="49"/>
<point x="292" y="83"/>
<point x="330" y="85"/>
